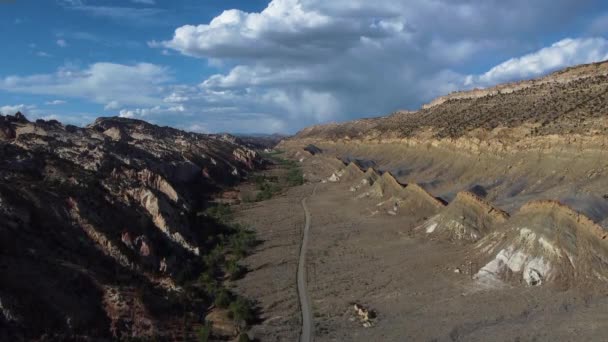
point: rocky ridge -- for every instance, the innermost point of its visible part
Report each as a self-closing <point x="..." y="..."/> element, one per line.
<point x="108" y="211"/>
<point x="531" y="149"/>
<point x="468" y="217"/>
<point x="544" y="242"/>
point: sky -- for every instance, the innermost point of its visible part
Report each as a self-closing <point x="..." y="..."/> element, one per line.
<point x="253" y="66"/>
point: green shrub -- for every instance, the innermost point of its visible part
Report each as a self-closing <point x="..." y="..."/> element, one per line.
<point x="241" y="310"/>
<point x="267" y="190"/>
<point x="221" y="213"/>
<point x="223" y="298"/>
<point x="235" y="270"/>
<point x="208" y="282"/>
<point x="215" y="257"/>
<point x="295" y="177"/>
<point x="242" y="242"/>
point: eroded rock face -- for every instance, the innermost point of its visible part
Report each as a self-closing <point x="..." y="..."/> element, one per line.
<point x="104" y="211"/>
<point x="546" y="242"/>
<point x="467" y="218"/>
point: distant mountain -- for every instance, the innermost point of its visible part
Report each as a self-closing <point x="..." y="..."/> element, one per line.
<point x="260" y="141"/>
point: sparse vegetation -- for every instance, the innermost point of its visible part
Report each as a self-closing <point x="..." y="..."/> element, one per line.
<point x="267" y="190"/>
<point x="204" y="332"/>
<point x="230" y="243"/>
<point x="223" y="298"/>
<point x="295" y="176"/>
<point x="235" y="270"/>
<point x="222" y="213"/>
<point x="241" y="310"/>
<point x="269" y="186"/>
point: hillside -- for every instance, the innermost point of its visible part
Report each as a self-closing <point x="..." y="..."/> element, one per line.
<point x="570" y="101"/>
<point x="538" y="139"/>
<point x="99" y="227"/>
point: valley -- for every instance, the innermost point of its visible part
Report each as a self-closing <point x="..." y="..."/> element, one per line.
<point x="481" y="216"/>
<point x="421" y="286"/>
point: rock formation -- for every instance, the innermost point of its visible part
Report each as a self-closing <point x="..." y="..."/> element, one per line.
<point x="467" y="217"/>
<point x="104" y="212"/>
<point x="545" y="242"/>
<point x="513" y="143"/>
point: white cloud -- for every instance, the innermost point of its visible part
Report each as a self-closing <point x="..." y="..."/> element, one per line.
<point x="61" y="43"/>
<point x="145" y="2"/>
<point x="300" y="62"/>
<point x="43" y="54"/>
<point x="112" y="105"/>
<point x="126" y="114"/>
<point x="566" y="52"/>
<point x="12" y="109"/>
<point x="55" y="102"/>
<point x="138" y="84"/>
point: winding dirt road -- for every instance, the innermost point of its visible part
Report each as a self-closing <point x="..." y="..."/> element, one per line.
<point x="307" y="325"/>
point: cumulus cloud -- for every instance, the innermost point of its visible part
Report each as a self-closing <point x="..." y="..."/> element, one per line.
<point x="300" y="62"/>
<point x="566" y="52"/>
<point x="12" y="109"/>
<point x="62" y="43"/>
<point x="100" y="82"/>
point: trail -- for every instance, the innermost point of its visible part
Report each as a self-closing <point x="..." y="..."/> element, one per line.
<point x="307" y="324"/>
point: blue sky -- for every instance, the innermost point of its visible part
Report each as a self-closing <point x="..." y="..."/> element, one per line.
<point x="276" y="66"/>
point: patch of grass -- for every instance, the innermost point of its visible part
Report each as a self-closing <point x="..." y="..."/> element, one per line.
<point x="267" y="190"/>
<point x="271" y="155"/>
<point x="295" y="176"/>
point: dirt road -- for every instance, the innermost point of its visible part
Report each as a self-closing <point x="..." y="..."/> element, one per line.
<point x="307" y="325"/>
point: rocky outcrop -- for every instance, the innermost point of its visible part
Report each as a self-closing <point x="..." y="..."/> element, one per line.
<point x="412" y="202"/>
<point x="564" y="77"/>
<point x="165" y="218"/>
<point x="468" y="217"/>
<point x="546" y="242"/>
<point x="385" y="186"/>
<point x="349" y="173"/>
<point x="94" y="222"/>
<point x="369" y="178"/>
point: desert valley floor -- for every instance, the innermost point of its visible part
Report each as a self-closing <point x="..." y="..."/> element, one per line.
<point x="420" y="287"/>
